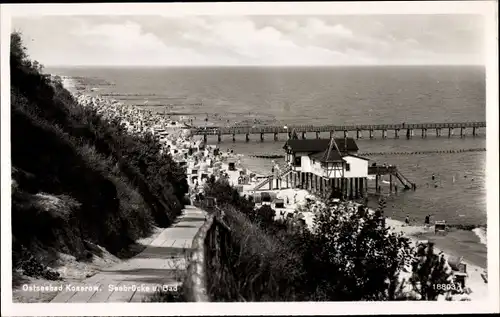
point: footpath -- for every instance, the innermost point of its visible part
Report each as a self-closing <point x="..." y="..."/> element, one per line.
<point x="161" y="265"/>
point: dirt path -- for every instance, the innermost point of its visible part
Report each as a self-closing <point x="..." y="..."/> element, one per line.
<point x="162" y="263"/>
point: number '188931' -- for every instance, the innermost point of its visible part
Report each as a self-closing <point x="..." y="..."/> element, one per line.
<point x="447" y="287"/>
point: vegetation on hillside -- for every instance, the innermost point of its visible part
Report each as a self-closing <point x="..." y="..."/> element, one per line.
<point x="349" y="256"/>
<point x="78" y="179"/>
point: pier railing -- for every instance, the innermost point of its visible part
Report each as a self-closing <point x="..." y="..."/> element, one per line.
<point x="331" y="128"/>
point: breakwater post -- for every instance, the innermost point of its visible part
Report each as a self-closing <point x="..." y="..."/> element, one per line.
<point x="262" y="137"/>
<point x="275" y="136"/>
<point x="371" y="133"/>
<point x="247" y="137"/>
<point x="424" y="133"/>
<point x="303" y="135"/>
<point x="396" y="133"/>
<point x="384" y="134"/>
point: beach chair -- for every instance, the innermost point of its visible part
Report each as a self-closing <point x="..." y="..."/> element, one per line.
<point x="279" y="203"/>
<point x="440" y="227"/>
<point x="257" y="198"/>
<point x="232" y="166"/>
<point x="266" y="197"/>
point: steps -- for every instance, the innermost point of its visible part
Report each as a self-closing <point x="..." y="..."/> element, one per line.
<point x="286" y="170"/>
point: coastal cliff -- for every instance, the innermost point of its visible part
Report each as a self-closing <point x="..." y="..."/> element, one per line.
<point x="81" y="185"/>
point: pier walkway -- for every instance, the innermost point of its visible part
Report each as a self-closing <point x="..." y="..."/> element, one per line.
<point x="163" y="262"/>
<point x="408" y="130"/>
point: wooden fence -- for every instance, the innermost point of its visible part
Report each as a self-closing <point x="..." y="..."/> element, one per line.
<point x="208" y="251"/>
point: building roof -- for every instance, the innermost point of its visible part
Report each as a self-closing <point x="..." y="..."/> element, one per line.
<point x="321" y="145"/>
<point x="324" y="157"/>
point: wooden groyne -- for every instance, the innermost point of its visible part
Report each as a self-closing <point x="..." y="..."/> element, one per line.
<point x="407" y="129"/>
<point x="276" y="156"/>
<point x="423" y="152"/>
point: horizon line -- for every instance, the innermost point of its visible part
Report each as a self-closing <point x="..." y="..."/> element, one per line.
<point x="265" y="66"/>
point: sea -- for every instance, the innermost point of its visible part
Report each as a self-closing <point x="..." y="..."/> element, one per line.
<point x="222" y="96"/>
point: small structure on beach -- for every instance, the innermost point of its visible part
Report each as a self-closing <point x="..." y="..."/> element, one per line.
<point x="440" y="227"/>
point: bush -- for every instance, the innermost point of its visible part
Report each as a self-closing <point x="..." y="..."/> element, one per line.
<point x="362" y="256"/>
<point x="350" y="256"/>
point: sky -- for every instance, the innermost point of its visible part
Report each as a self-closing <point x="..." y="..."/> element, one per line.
<point x="254" y="40"/>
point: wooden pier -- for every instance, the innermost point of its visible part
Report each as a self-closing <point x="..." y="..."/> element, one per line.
<point x="407" y="129"/>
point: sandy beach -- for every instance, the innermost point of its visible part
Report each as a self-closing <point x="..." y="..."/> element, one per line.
<point x="202" y="161"/>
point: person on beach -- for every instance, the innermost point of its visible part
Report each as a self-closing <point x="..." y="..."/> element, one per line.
<point x="427" y="220"/>
<point x="407" y="220"/>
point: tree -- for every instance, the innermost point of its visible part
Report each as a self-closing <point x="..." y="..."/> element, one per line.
<point x="359" y="256"/>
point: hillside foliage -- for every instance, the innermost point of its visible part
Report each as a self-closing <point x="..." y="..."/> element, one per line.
<point x="350" y="255"/>
<point x="78" y="178"/>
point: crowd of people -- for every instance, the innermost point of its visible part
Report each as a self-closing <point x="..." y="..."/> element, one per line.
<point x="200" y="160"/>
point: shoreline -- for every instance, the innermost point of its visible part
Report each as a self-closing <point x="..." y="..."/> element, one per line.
<point x="411" y="232"/>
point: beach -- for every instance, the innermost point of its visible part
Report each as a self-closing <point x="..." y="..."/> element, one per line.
<point x="201" y="162"/>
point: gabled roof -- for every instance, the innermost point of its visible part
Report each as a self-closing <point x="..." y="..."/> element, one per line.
<point x="320" y="145"/>
<point x="325" y="157"/>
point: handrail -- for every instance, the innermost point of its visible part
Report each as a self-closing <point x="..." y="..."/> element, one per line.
<point x="195" y="284"/>
<point x="328" y="128"/>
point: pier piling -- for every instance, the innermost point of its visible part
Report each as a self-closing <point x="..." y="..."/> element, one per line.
<point x="234" y="137"/>
<point x="350" y="189"/>
<point x="409" y="133"/>
<point x="247" y="137"/>
<point x="205" y="138"/>
<point x="304" y="129"/>
<point x="262" y="137"/>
